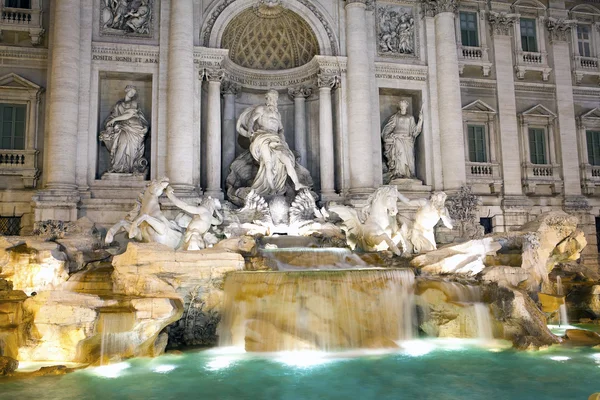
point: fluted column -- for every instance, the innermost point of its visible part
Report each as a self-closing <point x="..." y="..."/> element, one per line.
<point x="448" y="83"/>
<point x="360" y="142"/>
<point x="180" y="96"/>
<point x="63" y="97"/>
<point x="326" y="157"/>
<point x="213" y="133"/>
<point x="299" y="95"/>
<point x="228" y="134"/>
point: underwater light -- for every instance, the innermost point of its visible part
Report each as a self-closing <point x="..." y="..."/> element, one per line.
<point x="163" y="369"/>
<point x="302" y="359"/>
<point x="219" y="363"/>
<point x="560" y="358"/>
<point x="112" y="370"/>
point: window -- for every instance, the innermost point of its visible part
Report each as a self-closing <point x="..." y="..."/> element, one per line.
<point x="12" y="126"/>
<point x="528" y="35"/>
<point x="468" y="29"/>
<point x="593" y="147"/>
<point x="477" y="145"/>
<point x="584" y="40"/>
<point x="537" y="145"/>
<point x="10" y="226"/>
<point x="18" y="3"/>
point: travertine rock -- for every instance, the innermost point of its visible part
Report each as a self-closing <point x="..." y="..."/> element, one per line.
<point x="8" y="365"/>
<point x="582" y="337"/>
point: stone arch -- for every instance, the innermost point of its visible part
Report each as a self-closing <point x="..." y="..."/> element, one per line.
<point x="585" y="9"/>
<point x="219" y="16"/>
<point x="534" y="4"/>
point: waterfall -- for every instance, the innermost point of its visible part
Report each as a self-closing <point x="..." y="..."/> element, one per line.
<point x="562" y="309"/>
<point x="301" y="258"/>
<point x="317" y="310"/>
<point x="115" y="329"/>
<point x="484" y="321"/>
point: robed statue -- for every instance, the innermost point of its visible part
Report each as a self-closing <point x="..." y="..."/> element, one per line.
<point x="399" y="134"/>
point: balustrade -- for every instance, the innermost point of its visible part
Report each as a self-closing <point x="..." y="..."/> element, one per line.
<point x="23" y="20"/>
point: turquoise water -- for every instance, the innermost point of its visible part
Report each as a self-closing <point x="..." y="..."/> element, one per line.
<point x="426" y="370"/>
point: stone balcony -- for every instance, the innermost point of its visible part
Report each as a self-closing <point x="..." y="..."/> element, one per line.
<point x="21" y="163"/>
<point x="474" y="56"/>
<point x="542" y="179"/>
<point x="532" y="61"/>
<point x="22" y="20"/>
<point x="590" y="179"/>
<point x="585" y="66"/>
<point x="484" y="177"/>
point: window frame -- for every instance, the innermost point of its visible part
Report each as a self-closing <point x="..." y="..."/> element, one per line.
<point x="594" y="157"/>
<point x="475" y="32"/>
<point x="472" y="143"/>
<point x="535" y="35"/>
<point x="13" y="124"/>
<point x="538" y="131"/>
<point x="589" y="40"/>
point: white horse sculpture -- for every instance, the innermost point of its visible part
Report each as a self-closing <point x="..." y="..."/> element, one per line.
<point x="374" y="228"/>
<point x="146" y="222"/>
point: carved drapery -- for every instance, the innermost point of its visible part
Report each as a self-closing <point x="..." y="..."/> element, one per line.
<point x="559" y="29"/>
<point x="433" y="7"/>
<point x="502" y="23"/>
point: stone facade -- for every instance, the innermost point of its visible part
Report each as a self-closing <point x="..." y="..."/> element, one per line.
<point x="509" y="92"/>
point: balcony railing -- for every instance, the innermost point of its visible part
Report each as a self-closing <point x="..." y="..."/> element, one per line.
<point x="590" y="178"/>
<point x="486" y="174"/>
<point x="583" y="66"/>
<point x="20" y="163"/>
<point x="532" y="61"/>
<point x="474" y="56"/>
<point x="531" y="58"/>
<point x="541" y="174"/>
<point x="23" y="20"/>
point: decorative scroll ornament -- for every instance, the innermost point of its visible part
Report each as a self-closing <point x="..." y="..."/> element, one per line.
<point x="126" y="17"/>
<point x="213" y="74"/>
<point x="559" y="29"/>
<point x="299" y="91"/>
<point x="330" y="81"/>
<point x="228" y="87"/>
<point x="395" y="31"/>
<point x="433" y="7"/>
<point x="502" y="23"/>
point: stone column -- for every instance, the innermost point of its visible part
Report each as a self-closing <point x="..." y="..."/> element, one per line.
<point x="502" y="28"/>
<point x="228" y="133"/>
<point x="213" y="133"/>
<point x="63" y="97"/>
<point x="299" y="95"/>
<point x="326" y="155"/>
<point x="560" y="34"/>
<point x="180" y="96"/>
<point x="448" y="85"/>
<point x="59" y="199"/>
<point x="360" y="142"/>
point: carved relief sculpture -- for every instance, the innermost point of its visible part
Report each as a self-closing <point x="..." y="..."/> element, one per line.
<point x="276" y="162"/>
<point x="126" y="17"/>
<point x="124" y="133"/>
<point x="396" y="30"/>
<point x="399" y="134"/>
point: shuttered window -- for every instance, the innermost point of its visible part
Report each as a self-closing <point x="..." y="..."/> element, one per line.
<point x="584" y="40"/>
<point x="537" y="146"/>
<point x="593" y="147"/>
<point x="12" y="126"/>
<point x="477" y="143"/>
<point x="18" y="4"/>
<point x="468" y="29"/>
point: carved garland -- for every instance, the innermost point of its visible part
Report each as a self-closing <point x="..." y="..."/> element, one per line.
<point x="226" y="3"/>
<point x="559" y="29"/>
<point x="502" y="23"/>
<point x="430" y="8"/>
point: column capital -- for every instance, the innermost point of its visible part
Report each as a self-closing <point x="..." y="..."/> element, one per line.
<point x="330" y="81"/>
<point x="299" y="92"/>
<point x="559" y="29"/>
<point x="213" y="74"/>
<point x="502" y="23"/>
<point x="228" y="87"/>
<point x="366" y="3"/>
<point x="433" y="7"/>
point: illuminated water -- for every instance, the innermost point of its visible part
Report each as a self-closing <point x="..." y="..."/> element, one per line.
<point x="426" y="370"/>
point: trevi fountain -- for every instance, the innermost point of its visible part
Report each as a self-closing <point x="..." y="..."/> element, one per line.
<point x="272" y="284"/>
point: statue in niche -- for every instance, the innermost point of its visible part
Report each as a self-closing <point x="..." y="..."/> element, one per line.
<point x="418" y="234"/>
<point x="268" y="148"/>
<point x="399" y="134"/>
<point x="124" y="134"/>
<point x="126" y="16"/>
<point x="396" y="31"/>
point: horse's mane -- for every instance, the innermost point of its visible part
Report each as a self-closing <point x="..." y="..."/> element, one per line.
<point x="210" y="203"/>
<point x="381" y="192"/>
<point x="135" y="211"/>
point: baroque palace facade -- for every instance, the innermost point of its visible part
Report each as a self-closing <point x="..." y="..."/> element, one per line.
<point x="503" y="97"/>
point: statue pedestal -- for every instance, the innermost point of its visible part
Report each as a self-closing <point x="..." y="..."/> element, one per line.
<point x="122" y="177"/>
<point x="410" y="185"/>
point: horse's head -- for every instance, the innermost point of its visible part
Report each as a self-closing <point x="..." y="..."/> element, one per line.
<point x="438" y="200"/>
<point x="384" y="199"/>
<point x="211" y="203"/>
<point x="157" y="186"/>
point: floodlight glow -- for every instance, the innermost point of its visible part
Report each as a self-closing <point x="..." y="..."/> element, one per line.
<point x="112" y="370"/>
<point x="163" y="369"/>
<point x="417" y="348"/>
<point x="219" y="363"/>
<point x="302" y="359"/>
<point x="560" y="358"/>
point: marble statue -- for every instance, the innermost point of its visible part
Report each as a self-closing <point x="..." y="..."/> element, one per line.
<point x="276" y="162"/>
<point x="124" y="134"/>
<point x="127" y="16"/>
<point x="418" y="233"/>
<point x="146" y="222"/>
<point x="197" y="235"/>
<point x="374" y="227"/>
<point x="396" y="31"/>
<point x="399" y="134"/>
